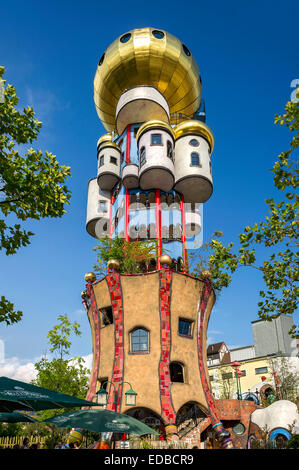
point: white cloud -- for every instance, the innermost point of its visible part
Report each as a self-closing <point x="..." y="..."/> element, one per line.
<point x="24" y="370"/>
<point x="16" y="369"/>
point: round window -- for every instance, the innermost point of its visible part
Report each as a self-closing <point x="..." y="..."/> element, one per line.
<point x="194" y="142"/>
<point x="186" y="50"/>
<point x="101" y="59"/>
<point x="125" y="38"/>
<point x="239" y="428"/>
<point x="158" y="34"/>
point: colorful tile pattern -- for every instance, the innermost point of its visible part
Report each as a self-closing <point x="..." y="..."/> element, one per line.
<point x="113" y="280"/>
<point x="168" y="413"/>
<point x="206" y="292"/>
<point x="96" y="353"/>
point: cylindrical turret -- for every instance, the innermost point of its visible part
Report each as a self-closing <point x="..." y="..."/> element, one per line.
<point x="98" y="210"/>
<point x="109" y="162"/>
<point x="140" y="104"/>
<point x="155" y="141"/>
<point x="194" y="142"/>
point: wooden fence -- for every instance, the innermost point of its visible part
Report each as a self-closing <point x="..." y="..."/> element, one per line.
<point x="11" y="441"/>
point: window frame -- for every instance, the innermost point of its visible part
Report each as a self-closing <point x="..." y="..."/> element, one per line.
<point x="156" y="135"/>
<point x="169" y="149"/>
<point x="183" y="373"/>
<point x="103" y="202"/>
<point x="199" y="165"/>
<point x="101" y="160"/>
<point x="140" y="351"/>
<point x="113" y="160"/>
<point x="264" y="370"/>
<point x="142" y="156"/>
<point x="191" y="322"/>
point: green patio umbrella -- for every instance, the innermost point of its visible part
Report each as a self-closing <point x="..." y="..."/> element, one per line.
<point x="16" y="395"/>
<point x="101" y="421"/>
<point x="15" y="417"/>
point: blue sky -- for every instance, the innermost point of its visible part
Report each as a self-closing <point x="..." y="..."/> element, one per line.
<point x="248" y="57"/>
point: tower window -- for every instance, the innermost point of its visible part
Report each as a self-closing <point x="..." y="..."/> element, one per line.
<point x="125" y="38"/>
<point x="194" y="142"/>
<point x="195" y="160"/>
<point x="142" y="156"/>
<point x="176" y="370"/>
<point x="101" y="160"/>
<point x="158" y="34"/>
<point x="106" y="316"/>
<point x="169" y="149"/>
<point x="113" y="160"/>
<point x="156" y="139"/>
<point x="186" y="50"/>
<point x="139" y="341"/>
<point x="185" y="327"/>
<point x="102" y="206"/>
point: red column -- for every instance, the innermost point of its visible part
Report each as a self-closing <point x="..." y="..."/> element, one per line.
<point x="128" y="149"/>
<point x="110" y="222"/>
<point x="158" y="227"/>
<point x="182" y="207"/>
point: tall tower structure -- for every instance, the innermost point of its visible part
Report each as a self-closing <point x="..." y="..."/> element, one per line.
<point x="153" y="176"/>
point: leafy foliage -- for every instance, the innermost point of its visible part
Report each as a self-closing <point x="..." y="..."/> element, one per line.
<point x="62" y="375"/>
<point x="278" y="233"/>
<point x="31" y="186"/>
<point x="130" y="255"/>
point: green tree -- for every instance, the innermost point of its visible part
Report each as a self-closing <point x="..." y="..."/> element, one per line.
<point x="285" y="368"/>
<point x="278" y="234"/>
<point x="60" y="374"/>
<point x="32" y="184"/>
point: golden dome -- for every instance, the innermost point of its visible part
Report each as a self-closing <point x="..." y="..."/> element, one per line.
<point x="154" y="124"/>
<point x="105" y="138"/>
<point x="147" y="56"/>
<point x="90" y="277"/>
<point x="194" y="127"/>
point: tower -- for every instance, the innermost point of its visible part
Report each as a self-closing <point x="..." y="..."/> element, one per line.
<point x="153" y="176"/>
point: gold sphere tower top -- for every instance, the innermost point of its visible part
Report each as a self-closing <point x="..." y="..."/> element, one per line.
<point x="151" y="57"/>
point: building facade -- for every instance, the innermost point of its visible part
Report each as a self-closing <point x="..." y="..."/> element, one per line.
<point x="153" y="176"/>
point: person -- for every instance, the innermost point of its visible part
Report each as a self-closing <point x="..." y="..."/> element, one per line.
<point x="33" y="446"/>
<point x="59" y="445"/>
<point x="25" y="443"/>
<point x="76" y="445"/>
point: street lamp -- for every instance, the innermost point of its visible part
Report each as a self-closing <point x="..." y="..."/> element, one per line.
<point x="238" y="373"/>
<point x="102" y="395"/>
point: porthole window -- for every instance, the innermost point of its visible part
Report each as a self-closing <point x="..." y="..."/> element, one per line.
<point x="186" y="50"/>
<point x="195" y="160"/>
<point x="194" y="142"/>
<point x="101" y="59"/>
<point x="239" y="429"/>
<point x="125" y="38"/>
<point x="158" y="34"/>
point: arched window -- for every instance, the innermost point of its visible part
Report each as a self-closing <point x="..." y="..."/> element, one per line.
<point x="139" y="340"/>
<point x="195" y="161"/>
<point x="176" y="370"/>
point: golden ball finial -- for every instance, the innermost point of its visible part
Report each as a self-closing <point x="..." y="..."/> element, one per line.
<point x="84" y="295"/>
<point x="206" y="274"/>
<point x="113" y="264"/>
<point x="165" y="259"/>
<point x="90" y="277"/>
